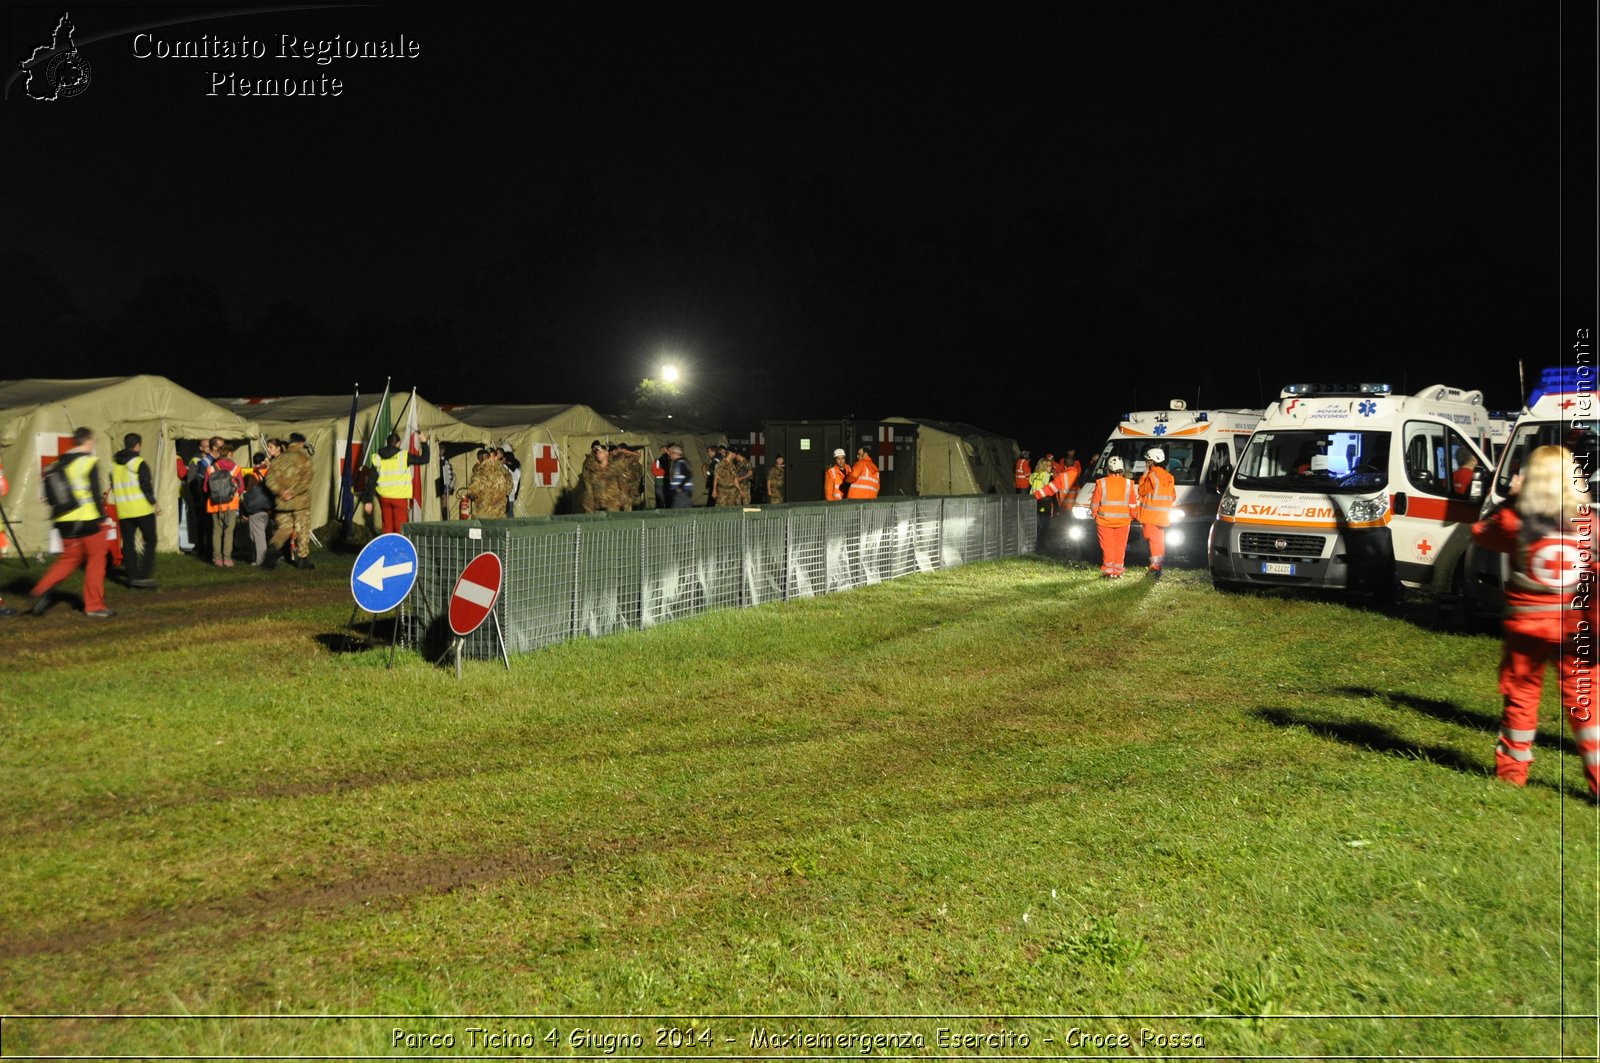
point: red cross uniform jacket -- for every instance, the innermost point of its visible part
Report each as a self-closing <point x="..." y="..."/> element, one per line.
<point x="1550" y="592"/>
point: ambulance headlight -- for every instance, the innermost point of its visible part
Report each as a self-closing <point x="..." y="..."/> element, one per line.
<point x="1229" y="506"/>
<point x="1174" y="537"/>
<point x="1080" y="512"/>
<point x="1177" y="512"/>
<point x="1365" y="510"/>
<point x="1075" y="533"/>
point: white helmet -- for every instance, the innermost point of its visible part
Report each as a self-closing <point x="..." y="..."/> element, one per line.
<point x="1156" y="455"/>
<point x="839" y="454"/>
<point x="1113" y="464"/>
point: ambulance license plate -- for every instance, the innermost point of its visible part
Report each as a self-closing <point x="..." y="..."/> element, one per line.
<point x="1276" y="568"/>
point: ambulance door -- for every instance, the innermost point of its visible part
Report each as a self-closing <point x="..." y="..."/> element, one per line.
<point x="1436" y="500"/>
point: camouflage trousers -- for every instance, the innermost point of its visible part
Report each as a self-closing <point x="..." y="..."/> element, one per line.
<point x="296" y="522"/>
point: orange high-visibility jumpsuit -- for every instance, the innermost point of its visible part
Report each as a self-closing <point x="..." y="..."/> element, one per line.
<point x="1023" y="471"/>
<point x="1114" y="503"/>
<point x="833" y="483"/>
<point x="1550" y="614"/>
<point x="1158" y="492"/>
<point x="864" y="479"/>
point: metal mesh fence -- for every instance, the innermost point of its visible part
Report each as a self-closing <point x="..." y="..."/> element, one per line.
<point x="567" y="577"/>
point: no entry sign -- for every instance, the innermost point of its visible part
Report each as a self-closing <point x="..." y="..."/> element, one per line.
<point x="475" y="594"/>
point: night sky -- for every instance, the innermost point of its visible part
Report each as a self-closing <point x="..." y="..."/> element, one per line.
<point x="1029" y="217"/>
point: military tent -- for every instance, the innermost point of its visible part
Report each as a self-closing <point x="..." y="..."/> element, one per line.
<point x="958" y="459"/>
<point x="325" y="422"/>
<point x="38" y="417"/>
<point x="549" y="441"/>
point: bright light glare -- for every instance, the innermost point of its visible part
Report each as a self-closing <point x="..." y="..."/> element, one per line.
<point x="669" y="373"/>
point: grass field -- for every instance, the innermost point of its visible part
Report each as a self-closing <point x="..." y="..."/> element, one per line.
<point x="1009" y="789"/>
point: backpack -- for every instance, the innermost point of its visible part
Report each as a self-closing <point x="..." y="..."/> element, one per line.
<point x="57" y="488"/>
<point x="220" y="487"/>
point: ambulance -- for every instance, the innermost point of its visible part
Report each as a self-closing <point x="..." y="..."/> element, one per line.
<point x="1352" y="487"/>
<point x="1564" y="410"/>
<point x="1202" y="447"/>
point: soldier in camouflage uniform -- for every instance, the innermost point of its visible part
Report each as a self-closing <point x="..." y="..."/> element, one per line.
<point x="591" y="481"/>
<point x="775" y="481"/>
<point x="289" y="480"/>
<point x="490" y="487"/>
<point x="746" y="474"/>
<point x="627" y="478"/>
<point x="725" y="486"/>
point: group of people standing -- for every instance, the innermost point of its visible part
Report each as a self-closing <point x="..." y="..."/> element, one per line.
<point x="213" y="489"/>
<point x="272" y="493"/>
<point x="843" y="480"/>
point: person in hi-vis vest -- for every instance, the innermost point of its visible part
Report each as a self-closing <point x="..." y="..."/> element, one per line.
<point x="82" y="539"/>
<point x="393" y="482"/>
<point x="833" y="480"/>
<point x="1114" y="504"/>
<point x="863" y="476"/>
<point x="1158" y="493"/>
<point x="133" y="491"/>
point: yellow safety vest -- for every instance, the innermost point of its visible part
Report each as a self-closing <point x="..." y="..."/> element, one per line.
<point x="394" y="476"/>
<point x="125" y="490"/>
<point x="79" y="466"/>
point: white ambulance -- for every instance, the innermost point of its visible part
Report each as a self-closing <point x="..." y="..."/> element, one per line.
<point x="1562" y="410"/>
<point x="1349" y="486"/>
<point x="1202" y="447"/>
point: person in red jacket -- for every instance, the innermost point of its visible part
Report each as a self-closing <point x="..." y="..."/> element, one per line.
<point x="1022" y="473"/>
<point x="1114" y="503"/>
<point x="1547" y="526"/>
<point x="863" y="476"/>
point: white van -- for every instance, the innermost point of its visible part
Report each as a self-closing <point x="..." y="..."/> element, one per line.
<point x="1562" y="410"/>
<point x="1202" y="447"/>
<point x="1349" y="486"/>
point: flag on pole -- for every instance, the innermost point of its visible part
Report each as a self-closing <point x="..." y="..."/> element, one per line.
<point x="413" y="446"/>
<point x="347" y="473"/>
<point x="382" y="425"/>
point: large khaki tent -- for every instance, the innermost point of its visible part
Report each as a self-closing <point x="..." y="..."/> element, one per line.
<point x="958" y="459"/>
<point x="549" y="442"/>
<point x="38" y="417"/>
<point x="325" y="422"/>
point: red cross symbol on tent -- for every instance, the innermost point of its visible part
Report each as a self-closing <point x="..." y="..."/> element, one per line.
<point x="51" y="447"/>
<point x="758" y="448"/>
<point x="545" y="465"/>
<point x="886" y="447"/>
<point x="1424" y="547"/>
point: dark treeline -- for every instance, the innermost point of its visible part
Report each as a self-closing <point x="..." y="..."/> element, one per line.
<point x="811" y="302"/>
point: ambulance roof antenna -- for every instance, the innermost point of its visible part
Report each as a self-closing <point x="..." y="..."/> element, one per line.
<point x="1522" y="387"/>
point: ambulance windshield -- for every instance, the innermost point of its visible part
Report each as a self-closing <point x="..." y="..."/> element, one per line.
<point x="1580" y="437"/>
<point x="1328" y="462"/>
<point x="1184" y="457"/>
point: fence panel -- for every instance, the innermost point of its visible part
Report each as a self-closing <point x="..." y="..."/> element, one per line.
<point x="599" y="573"/>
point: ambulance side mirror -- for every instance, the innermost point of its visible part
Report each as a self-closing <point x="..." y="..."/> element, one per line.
<point x="1218" y="479"/>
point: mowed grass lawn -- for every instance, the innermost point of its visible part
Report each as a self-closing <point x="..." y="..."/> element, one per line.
<point x="1005" y="789"/>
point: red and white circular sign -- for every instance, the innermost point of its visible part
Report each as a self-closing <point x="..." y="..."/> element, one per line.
<point x="476" y="592"/>
<point x="1556" y="563"/>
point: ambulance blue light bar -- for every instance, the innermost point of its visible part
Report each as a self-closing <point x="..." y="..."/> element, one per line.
<point x="1294" y="390"/>
<point x="1563" y="380"/>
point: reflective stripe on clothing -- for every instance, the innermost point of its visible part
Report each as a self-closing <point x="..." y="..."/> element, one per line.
<point x="394" y="475"/>
<point x="1158" y="492"/>
<point x="864" y="479"/>
<point x="126" y="492"/>
<point x="1586" y="734"/>
<point x="1514" y="752"/>
<point x="1113" y="505"/>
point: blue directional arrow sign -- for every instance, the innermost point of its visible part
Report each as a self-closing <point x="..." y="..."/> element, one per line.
<point x="384" y="573"/>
